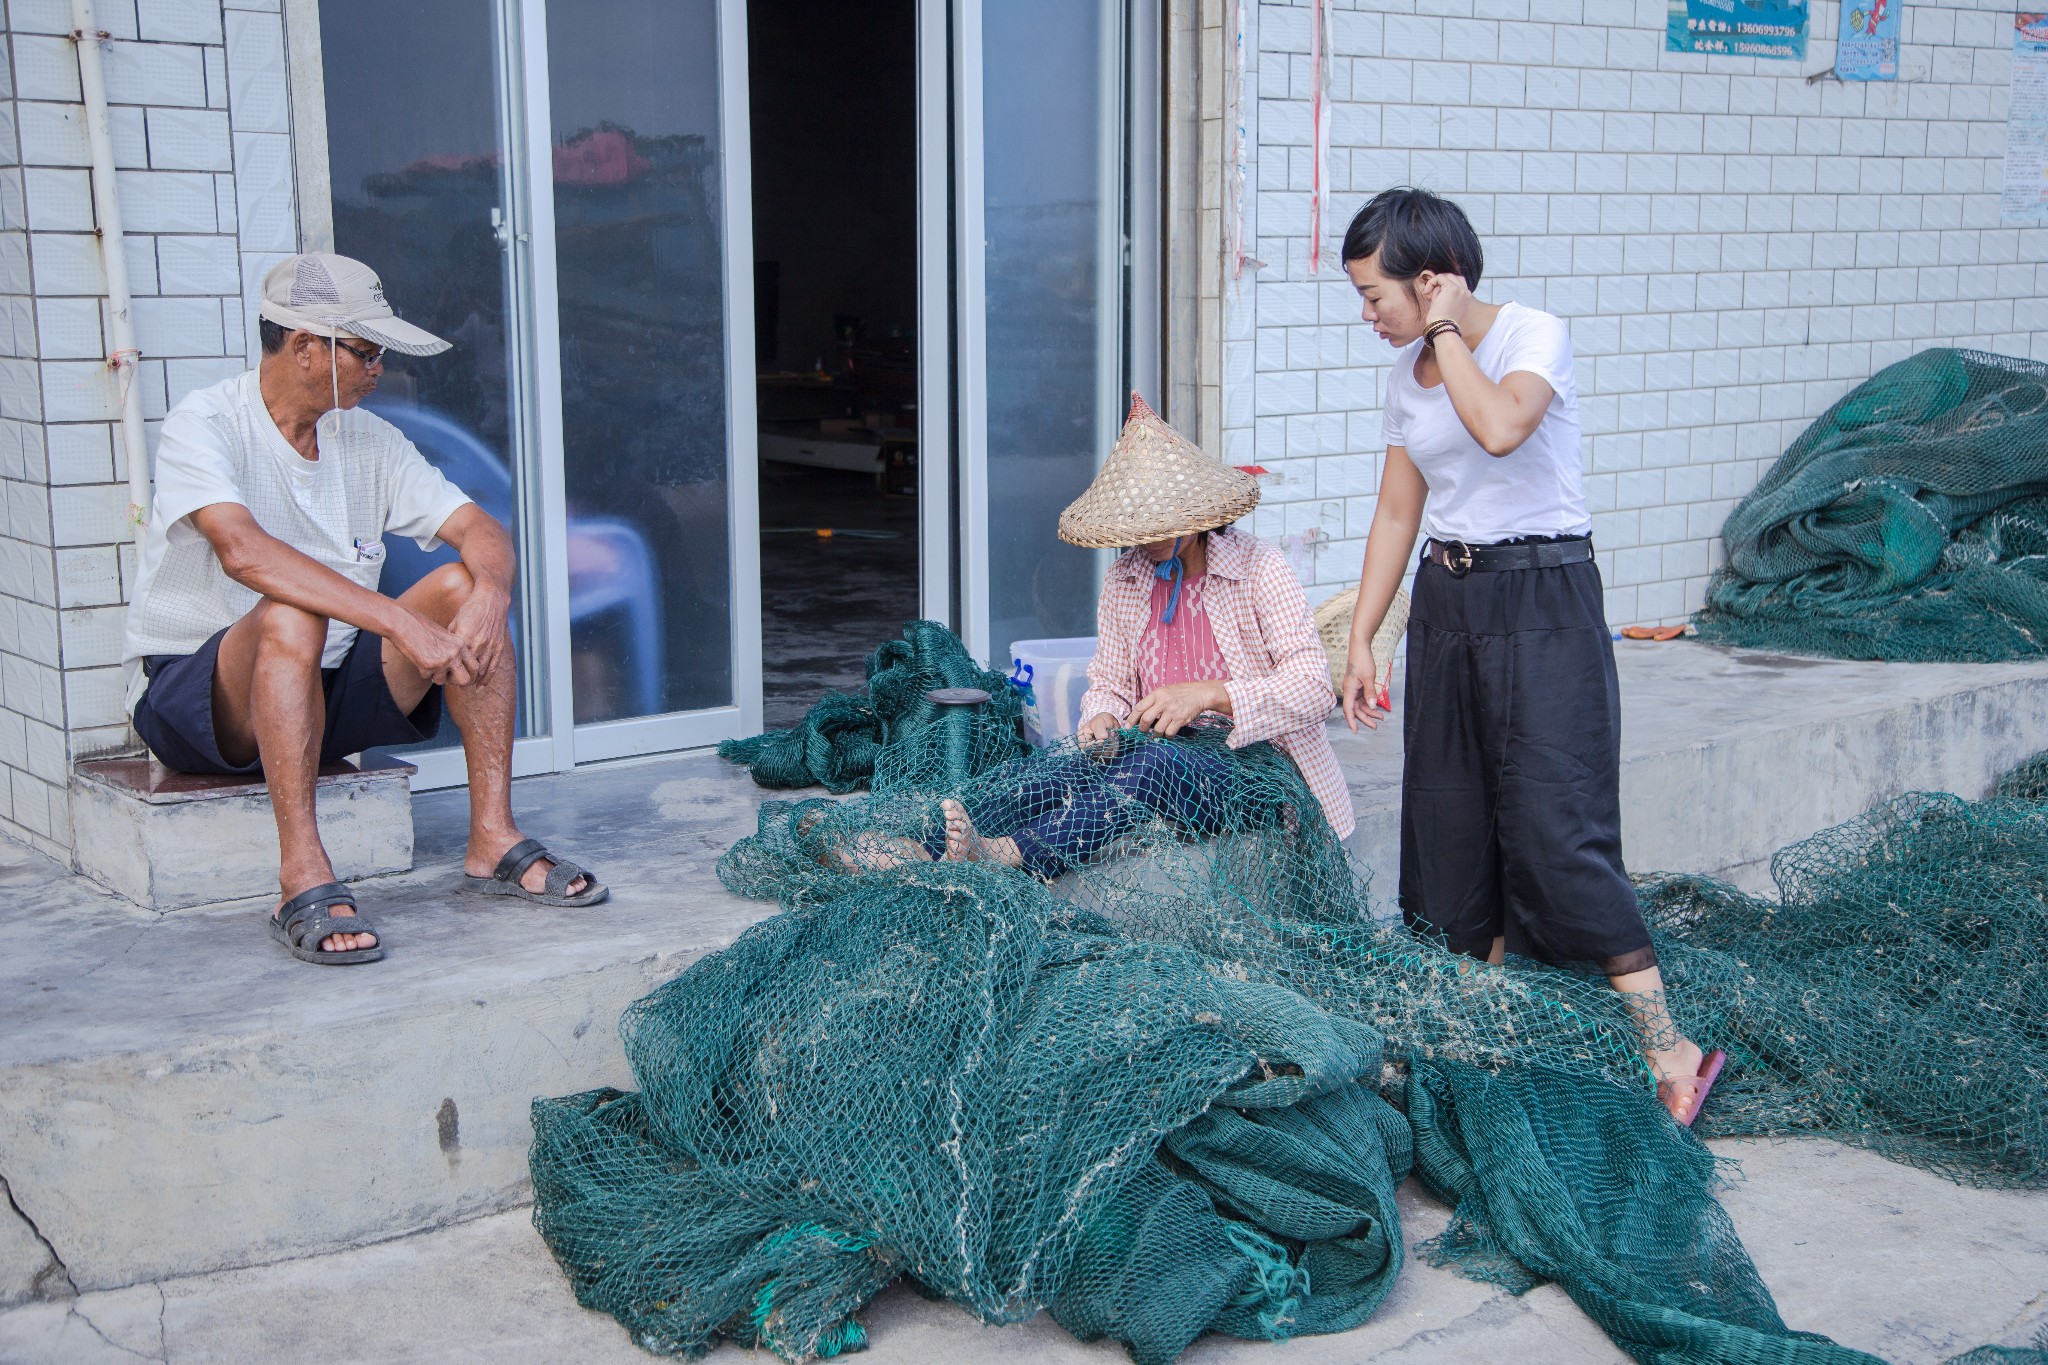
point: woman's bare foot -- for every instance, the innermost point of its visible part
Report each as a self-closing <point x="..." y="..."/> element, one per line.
<point x="864" y="851"/>
<point x="1674" y="1059"/>
<point x="964" y="843"/>
<point x="1677" y="1070"/>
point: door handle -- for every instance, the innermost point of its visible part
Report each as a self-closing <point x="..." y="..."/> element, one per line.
<point x="502" y="229"/>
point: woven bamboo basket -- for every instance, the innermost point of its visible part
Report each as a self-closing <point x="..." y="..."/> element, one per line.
<point x="1333" y="625"/>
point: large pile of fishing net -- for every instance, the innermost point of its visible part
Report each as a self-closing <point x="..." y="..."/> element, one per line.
<point x="1892" y="996"/>
<point x="890" y="735"/>
<point x="1909" y="522"/>
<point x="1173" y="1092"/>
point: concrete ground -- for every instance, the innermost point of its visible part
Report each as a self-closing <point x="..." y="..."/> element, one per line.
<point x="1879" y="1257"/>
<point x="164" y="1078"/>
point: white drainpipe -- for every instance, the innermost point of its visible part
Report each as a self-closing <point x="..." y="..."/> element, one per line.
<point x="106" y="202"/>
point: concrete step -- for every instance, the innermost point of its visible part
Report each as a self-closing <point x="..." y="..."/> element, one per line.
<point x="167" y="840"/>
<point x="1727" y="755"/>
<point x="1882" y="1258"/>
<point x="174" y="1089"/>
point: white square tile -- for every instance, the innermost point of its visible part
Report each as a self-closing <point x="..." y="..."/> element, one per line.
<point x="256" y="72"/>
<point x="189" y="140"/>
<point x="264" y="202"/>
<point x="180" y="21"/>
<point x="166" y="201"/>
<point x="154" y="74"/>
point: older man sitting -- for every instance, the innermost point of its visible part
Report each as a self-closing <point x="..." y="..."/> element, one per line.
<point x="256" y="638"/>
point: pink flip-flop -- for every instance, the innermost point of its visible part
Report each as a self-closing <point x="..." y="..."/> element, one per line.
<point x="1696" y="1087"/>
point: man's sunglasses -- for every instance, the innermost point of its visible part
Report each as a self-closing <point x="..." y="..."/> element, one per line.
<point x="369" y="357"/>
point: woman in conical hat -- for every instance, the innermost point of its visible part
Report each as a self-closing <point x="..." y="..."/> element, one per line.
<point x="1198" y="623"/>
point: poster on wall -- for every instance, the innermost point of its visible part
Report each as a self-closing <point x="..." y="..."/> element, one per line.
<point x="1868" y="47"/>
<point x="1739" y="28"/>
<point x="2026" y="127"/>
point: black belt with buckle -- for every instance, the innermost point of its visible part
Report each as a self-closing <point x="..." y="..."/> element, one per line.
<point x="1461" y="559"/>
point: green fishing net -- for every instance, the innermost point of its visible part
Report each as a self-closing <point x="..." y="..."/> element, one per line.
<point x="1892" y="995"/>
<point x="891" y="734"/>
<point x="1909" y="522"/>
<point x="2035" y="1354"/>
<point x="1172" y="1089"/>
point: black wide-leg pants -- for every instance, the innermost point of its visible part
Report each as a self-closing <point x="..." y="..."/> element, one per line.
<point x="1510" y="794"/>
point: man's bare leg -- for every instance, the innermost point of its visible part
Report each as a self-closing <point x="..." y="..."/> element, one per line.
<point x="485" y="711"/>
<point x="268" y="704"/>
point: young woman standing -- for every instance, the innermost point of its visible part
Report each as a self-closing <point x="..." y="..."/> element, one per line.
<point x="1510" y="794"/>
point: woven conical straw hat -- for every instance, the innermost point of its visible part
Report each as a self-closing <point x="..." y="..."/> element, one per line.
<point x="1155" y="485"/>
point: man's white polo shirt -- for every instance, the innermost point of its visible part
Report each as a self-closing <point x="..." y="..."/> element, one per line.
<point x="219" y="444"/>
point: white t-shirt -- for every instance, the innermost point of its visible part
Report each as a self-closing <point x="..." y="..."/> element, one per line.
<point x="219" y="444"/>
<point x="1534" y="490"/>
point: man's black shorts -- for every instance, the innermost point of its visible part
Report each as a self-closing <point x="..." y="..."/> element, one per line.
<point x="175" y="716"/>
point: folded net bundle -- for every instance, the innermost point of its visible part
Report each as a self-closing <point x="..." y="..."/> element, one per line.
<point x="1173" y="1090"/>
<point x="1909" y="522"/>
<point x="891" y="734"/>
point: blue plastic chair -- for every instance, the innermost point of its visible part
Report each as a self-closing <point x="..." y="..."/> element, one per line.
<point x="610" y="566"/>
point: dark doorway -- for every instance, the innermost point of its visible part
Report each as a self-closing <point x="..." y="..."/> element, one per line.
<point x="834" y="112"/>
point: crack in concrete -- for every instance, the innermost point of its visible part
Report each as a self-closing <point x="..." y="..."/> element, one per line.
<point x="132" y="944"/>
<point x="40" y="1285"/>
<point x="162" y="1357"/>
<point x="2025" y="1309"/>
<point x="1490" y="1313"/>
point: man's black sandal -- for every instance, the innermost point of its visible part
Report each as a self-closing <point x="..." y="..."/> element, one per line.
<point x="555" y="891"/>
<point x="302" y="924"/>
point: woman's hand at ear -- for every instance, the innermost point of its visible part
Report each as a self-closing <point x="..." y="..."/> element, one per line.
<point x="1447" y="296"/>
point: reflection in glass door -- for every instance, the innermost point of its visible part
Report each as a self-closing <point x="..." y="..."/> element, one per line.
<point x="555" y="186"/>
<point x="1043" y="302"/>
<point x="640" y="227"/>
<point x="417" y="125"/>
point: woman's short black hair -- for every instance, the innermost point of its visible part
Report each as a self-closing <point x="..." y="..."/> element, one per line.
<point x="1413" y="231"/>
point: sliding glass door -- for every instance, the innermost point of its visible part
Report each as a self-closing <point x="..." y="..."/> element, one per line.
<point x="641" y="155"/>
<point x="417" y="116"/>
<point x="557" y="188"/>
<point x="562" y="187"/>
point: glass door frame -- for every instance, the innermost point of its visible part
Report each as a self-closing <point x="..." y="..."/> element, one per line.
<point x="970" y="247"/>
<point x="938" y="562"/>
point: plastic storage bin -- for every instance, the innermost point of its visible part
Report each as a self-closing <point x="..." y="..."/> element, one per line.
<point x="1054" y="676"/>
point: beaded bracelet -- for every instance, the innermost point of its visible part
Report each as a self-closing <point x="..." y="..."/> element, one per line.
<point x="1436" y="329"/>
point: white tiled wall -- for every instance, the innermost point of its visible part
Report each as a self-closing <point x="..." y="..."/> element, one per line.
<point x="202" y="141"/>
<point x="1734" y="246"/>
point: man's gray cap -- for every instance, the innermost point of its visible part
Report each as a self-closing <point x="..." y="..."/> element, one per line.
<point x="331" y="295"/>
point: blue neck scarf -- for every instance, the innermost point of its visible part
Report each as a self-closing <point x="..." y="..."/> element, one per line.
<point x="1171" y="570"/>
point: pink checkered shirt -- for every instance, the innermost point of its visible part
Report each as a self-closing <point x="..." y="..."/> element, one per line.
<point x="1279" y="678"/>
